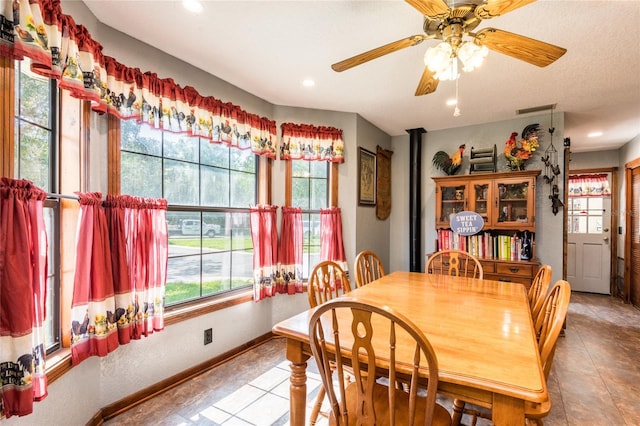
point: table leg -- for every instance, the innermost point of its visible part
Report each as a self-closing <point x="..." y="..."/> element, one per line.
<point x="507" y="411"/>
<point x="298" y="387"/>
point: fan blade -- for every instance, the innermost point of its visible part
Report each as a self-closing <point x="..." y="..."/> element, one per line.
<point x="431" y="8"/>
<point x="520" y="47"/>
<point x="495" y="8"/>
<point x="427" y="84"/>
<point x="378" y="52"/>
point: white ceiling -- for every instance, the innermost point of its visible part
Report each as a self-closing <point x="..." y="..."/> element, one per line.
<point x="268" y="47"/>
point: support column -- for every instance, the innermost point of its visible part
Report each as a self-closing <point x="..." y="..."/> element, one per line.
<point x="415" y="198"/>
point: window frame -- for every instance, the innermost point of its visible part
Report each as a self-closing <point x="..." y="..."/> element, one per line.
<point x="332" y="189"/>
<point x="208" y="303"/>
<point x="54" y="308"/>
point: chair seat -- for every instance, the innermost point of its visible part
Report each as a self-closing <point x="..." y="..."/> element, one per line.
<point x="381" y="400"/>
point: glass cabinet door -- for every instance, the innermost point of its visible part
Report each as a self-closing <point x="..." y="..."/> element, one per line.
<point x="515" y="203"/>
<point x="451" y="199"/>
<point x="481" y="197"/>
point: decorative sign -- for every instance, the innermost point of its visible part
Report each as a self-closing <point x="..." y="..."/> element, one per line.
<point x="466" y="223"/>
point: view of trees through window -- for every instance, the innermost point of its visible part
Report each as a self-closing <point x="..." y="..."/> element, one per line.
<point x="209" y="188"/>
<point x="310" y="191"/>
<point x="35" y="146"/>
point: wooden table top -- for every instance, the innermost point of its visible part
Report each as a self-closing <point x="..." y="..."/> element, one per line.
<point x="481" y="330"/>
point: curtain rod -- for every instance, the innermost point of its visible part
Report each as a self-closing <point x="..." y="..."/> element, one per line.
<point x="69" y="197"/>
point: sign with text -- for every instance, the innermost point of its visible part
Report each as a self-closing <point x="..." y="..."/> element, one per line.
<point x="466" y="223"/>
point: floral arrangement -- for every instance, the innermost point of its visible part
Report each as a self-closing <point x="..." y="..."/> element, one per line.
<point x="517" y="155"/>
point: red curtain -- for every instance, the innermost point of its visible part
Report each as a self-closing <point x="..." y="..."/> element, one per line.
<point x="289" y="274"/>
<point x="23" y="272"/>
<point x="139" y="244"/>
<point x="61" y="49"/>
<point x="308" y="142"/>
<point x="591" y="185"/>
<point x="331" y="245"/>
<point x="93" y="330"/>
<point x="264" y="234"/>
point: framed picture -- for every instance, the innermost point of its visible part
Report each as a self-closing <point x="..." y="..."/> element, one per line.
<point x="366" y="177"/>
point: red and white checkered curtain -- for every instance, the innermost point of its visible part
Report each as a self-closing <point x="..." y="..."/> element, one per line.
<point x="139" y="244"/>
<point x="121" y="272"/>
<point x="331" y="245"/>
<point x="264" y="234"/>
<point x="23" y="276"/>
<point x="289" y="273"/>
<point x="93" y="331"/>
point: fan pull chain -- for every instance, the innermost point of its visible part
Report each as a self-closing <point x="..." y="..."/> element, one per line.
<point x="456" y="110"/>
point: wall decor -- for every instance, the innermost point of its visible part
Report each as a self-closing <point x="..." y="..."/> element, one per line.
<point x="366" y="177"/>
<point x="449" y="164"/>
<point x="552" y="171"/>
<point x="517" y="155"/>
<point x="383" y="185"/>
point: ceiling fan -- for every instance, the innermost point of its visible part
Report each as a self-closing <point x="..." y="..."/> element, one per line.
<point x="451" y="25"/>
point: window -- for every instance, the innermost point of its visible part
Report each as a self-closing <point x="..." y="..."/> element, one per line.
<point x="585" y="215"/>
<point x="36" y="100"/>
<point x="310" y="191"/>
<point x="209" y="188"/>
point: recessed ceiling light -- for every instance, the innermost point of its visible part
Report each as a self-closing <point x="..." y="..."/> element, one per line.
<point x="194" y="6"/>
<point x="307" y="82"/>
<point x="452" y="102"/>
<point x="594" y="134"/>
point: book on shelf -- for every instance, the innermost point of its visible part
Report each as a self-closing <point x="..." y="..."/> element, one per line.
<point x="483" y="245"/>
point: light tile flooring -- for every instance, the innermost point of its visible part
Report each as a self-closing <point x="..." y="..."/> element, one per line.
<point x="595" y="379"/>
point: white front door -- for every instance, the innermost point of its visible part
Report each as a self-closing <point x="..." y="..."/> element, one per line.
<point x="588" y="244"/>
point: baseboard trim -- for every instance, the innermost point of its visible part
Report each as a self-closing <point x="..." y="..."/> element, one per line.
<point x="112" y="410"/>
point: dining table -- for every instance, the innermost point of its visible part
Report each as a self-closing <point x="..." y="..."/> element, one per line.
<point x="481" y="331"/>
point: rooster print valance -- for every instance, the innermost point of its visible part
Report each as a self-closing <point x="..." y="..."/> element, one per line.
<point x="308" y="142"/>
<point x="61" y="49"/>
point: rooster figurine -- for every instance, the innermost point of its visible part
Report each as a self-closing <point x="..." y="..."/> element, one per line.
<point x="449" y="164"/>
<point x="517" y="155"/>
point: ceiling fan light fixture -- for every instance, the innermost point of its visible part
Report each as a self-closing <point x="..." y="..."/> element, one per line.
<point x="471" y="55"/>
<point x="448" y="73"/>
<point x="439" y="58"/>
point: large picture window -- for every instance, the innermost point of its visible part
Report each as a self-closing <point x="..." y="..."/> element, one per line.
<point x="209" y="188"/>
<point x="36" y="142"/>
<point x="310" y="191"/>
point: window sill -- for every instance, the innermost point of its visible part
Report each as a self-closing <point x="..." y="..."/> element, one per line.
<point x="60" y="363"/>
<point x="182" y="313"/>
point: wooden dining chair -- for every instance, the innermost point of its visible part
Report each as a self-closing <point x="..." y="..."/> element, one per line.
<point x="353" y="326"/>
<point x="538" y="290"/>
<point x="326" y="282"/>
<point x="368" y="267"/>
<point x="454" y="262"/>
<point x="548" y="327"/>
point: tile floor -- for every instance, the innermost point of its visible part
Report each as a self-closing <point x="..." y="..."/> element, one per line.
<point x="595" y="379"/>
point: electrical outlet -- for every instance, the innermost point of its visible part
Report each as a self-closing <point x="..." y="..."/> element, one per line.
<point x="208" y="336"/>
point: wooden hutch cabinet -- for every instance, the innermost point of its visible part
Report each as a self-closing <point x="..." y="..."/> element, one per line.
<point x="506" y="201"/>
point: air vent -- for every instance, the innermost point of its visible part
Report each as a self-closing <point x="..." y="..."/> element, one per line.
<point x="535" y="109"/>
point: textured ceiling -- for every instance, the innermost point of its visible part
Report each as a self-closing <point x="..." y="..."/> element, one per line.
<point x="268" y="47"/>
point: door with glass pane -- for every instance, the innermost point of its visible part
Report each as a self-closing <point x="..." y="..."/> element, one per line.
<point x="588" y="244"/>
